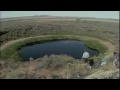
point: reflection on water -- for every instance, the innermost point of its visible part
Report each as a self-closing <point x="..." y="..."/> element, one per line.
<point x="69" y="47"/>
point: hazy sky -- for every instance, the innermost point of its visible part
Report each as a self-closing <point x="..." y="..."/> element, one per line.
<point x="97" y="14"/>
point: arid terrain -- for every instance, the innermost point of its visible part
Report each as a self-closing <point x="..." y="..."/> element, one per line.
<point x="14" y="30"/>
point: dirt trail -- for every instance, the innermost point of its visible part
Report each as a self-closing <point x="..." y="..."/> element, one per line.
<point x="111" y="47"/>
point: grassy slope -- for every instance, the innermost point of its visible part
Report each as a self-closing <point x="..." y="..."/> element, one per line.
<point x="11" y="51"/>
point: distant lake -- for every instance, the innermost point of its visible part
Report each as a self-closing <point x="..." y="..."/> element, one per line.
<point x="64" y="47"/>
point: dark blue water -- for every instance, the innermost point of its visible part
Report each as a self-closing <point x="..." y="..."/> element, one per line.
<point x="68" y="47"/>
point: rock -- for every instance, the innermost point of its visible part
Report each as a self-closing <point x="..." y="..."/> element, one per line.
<point x="31" y="59"/>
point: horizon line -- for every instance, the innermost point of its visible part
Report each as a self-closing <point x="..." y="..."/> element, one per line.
<point x="55" y="16"/>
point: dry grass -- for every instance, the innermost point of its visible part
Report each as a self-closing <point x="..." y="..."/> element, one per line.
<point x="101" y="74"/>
<point x="55" y="67"/>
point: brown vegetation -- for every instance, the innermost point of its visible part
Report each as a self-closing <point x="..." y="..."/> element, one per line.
<point x="62" y="66"/>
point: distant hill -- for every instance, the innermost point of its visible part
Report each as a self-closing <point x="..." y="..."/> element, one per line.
<point x="29" y="17"/>
<point x="59" y="17"/>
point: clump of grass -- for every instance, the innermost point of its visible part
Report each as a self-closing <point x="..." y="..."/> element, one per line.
<point x="108" y="66"/>
<point x="53" y="66"/>
<point x="95" y="45"/>
<point x="16" y="75"/>
<point x="100" y="74"/>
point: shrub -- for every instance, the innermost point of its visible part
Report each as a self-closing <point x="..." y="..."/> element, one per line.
<point x="16" y="75"/>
